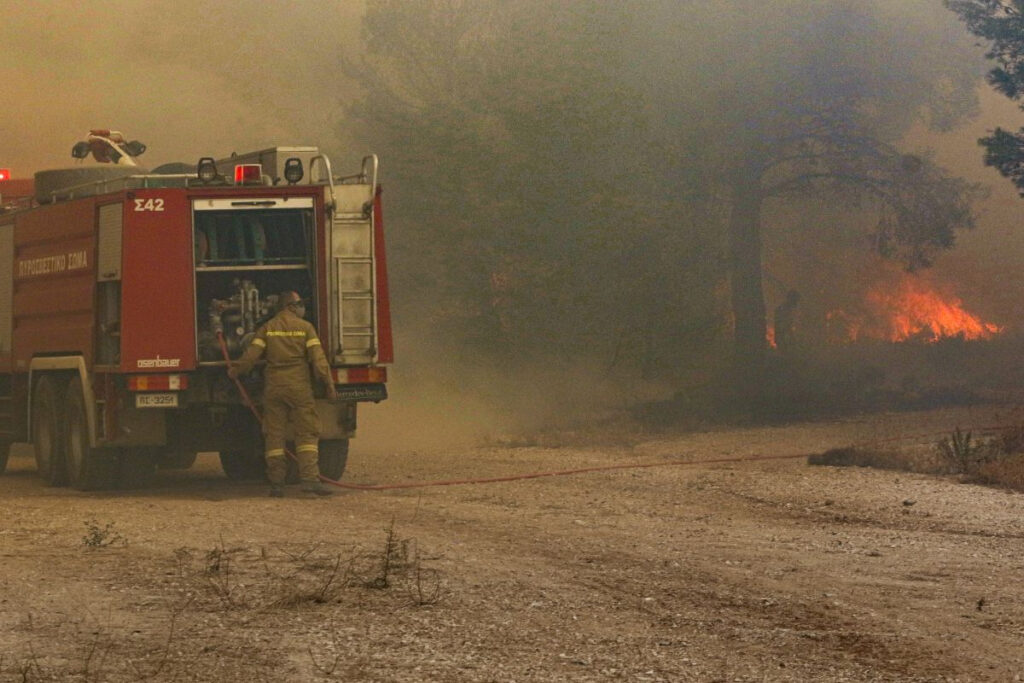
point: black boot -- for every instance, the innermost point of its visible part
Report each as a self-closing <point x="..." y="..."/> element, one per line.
<point x="316" y="487"/>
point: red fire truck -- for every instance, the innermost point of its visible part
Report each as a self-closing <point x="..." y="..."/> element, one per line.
<point x="122" y="290"/>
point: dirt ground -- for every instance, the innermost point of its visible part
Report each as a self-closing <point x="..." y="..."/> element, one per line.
<point x="760" y="570"/>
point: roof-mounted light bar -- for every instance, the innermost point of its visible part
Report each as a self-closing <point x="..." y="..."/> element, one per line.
<point x="248" y="174"/>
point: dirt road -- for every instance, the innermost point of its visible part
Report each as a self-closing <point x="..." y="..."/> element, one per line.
<point x="767" y="570"/>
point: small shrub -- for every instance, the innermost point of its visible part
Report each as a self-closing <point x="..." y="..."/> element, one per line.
<point x="97" y="536"/>
<point x="395" y="557"/>
<point x="996" y="461"/>
<point x="1011" y="439"/>
<point x="242" y="578"/>
<point x="307" y="577"/>
<point x="424" y="585"/>
<point x="1007" y="472"/>
<point x="959" y="452"/>
<point x="220" y="576"/>
<point x="906" y="461"/>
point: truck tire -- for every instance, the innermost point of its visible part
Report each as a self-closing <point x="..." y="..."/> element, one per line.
<point x="243" y="460"/>
<point x="88" y="468"/>
<point x="47" y="431"/>
<point x="333" y="458"/>
<point x="49" y="182"/>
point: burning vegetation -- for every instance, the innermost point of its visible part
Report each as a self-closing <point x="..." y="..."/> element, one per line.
<point x="908" y="310"/>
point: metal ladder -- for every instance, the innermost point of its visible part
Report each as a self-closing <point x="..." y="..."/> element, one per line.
<point x="353" y="268"/>
<point x="354" y="277"/>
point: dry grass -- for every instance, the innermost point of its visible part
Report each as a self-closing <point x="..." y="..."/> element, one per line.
<point x="996" y="460"/>
<point x="1007" y="472"/>
<point x="246" y="578"/>
<point x="925" y="462"/>
<point x="227" y="582"/>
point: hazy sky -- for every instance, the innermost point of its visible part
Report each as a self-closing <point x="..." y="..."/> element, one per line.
<point x="182" y="76"/>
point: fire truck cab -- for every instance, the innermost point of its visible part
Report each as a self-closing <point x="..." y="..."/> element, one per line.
<point x="124" y="291"/>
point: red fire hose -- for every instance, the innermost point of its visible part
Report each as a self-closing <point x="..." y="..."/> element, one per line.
<point x="453" y="482"/>
<point x="554" y="473"/>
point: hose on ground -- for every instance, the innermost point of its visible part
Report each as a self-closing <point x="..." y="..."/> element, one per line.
<point x="557" y="473"/>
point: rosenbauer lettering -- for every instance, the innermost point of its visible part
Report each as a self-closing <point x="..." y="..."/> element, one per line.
<point x="48" y="265"/>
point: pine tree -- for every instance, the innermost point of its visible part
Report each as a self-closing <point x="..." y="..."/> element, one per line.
<point x="1001" y="22"/>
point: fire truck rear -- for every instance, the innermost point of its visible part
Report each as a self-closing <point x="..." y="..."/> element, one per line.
<point x="122" y="291"/>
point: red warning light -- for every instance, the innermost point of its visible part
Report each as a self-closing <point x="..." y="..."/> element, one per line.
<point x="5" y="174"/>
<point x="248" y="173"/>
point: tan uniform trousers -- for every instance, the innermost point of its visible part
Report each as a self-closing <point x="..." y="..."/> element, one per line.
<point x="288" y="399"/>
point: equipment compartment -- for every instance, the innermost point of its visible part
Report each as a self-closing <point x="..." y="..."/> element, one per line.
<point x="246" y="254"/>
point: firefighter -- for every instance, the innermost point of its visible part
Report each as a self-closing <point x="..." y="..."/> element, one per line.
<point x="291" y="346"/>
<point x="785" y="323"/>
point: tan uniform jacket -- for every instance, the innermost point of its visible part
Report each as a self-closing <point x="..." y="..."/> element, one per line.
<point x="290" y="344"/>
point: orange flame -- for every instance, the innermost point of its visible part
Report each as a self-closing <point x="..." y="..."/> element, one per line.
<point x="910" y="310"/>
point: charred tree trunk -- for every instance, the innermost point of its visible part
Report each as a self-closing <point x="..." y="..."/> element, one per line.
<point x="747" y="284"/>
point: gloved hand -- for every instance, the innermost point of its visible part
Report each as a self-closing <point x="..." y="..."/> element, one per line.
<point x="233" y="372"/>
<point x="332" y="393"/>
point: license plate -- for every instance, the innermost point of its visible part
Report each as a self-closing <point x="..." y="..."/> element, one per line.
<point x="362" y="392"/>
<point x="156" y="400"/>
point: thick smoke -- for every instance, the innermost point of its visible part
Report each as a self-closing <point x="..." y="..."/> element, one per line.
<point x="197" y="78"/>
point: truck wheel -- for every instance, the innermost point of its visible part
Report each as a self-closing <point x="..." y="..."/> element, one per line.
<point x="47" y="418"/>
<point x="244" y="461"/>
<point x="243" y="465"/>
<point x="333" y="455"/>
<point x="88" y="468"/>
<point x="333" y="458"/>
<point x="5" y="450"/>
